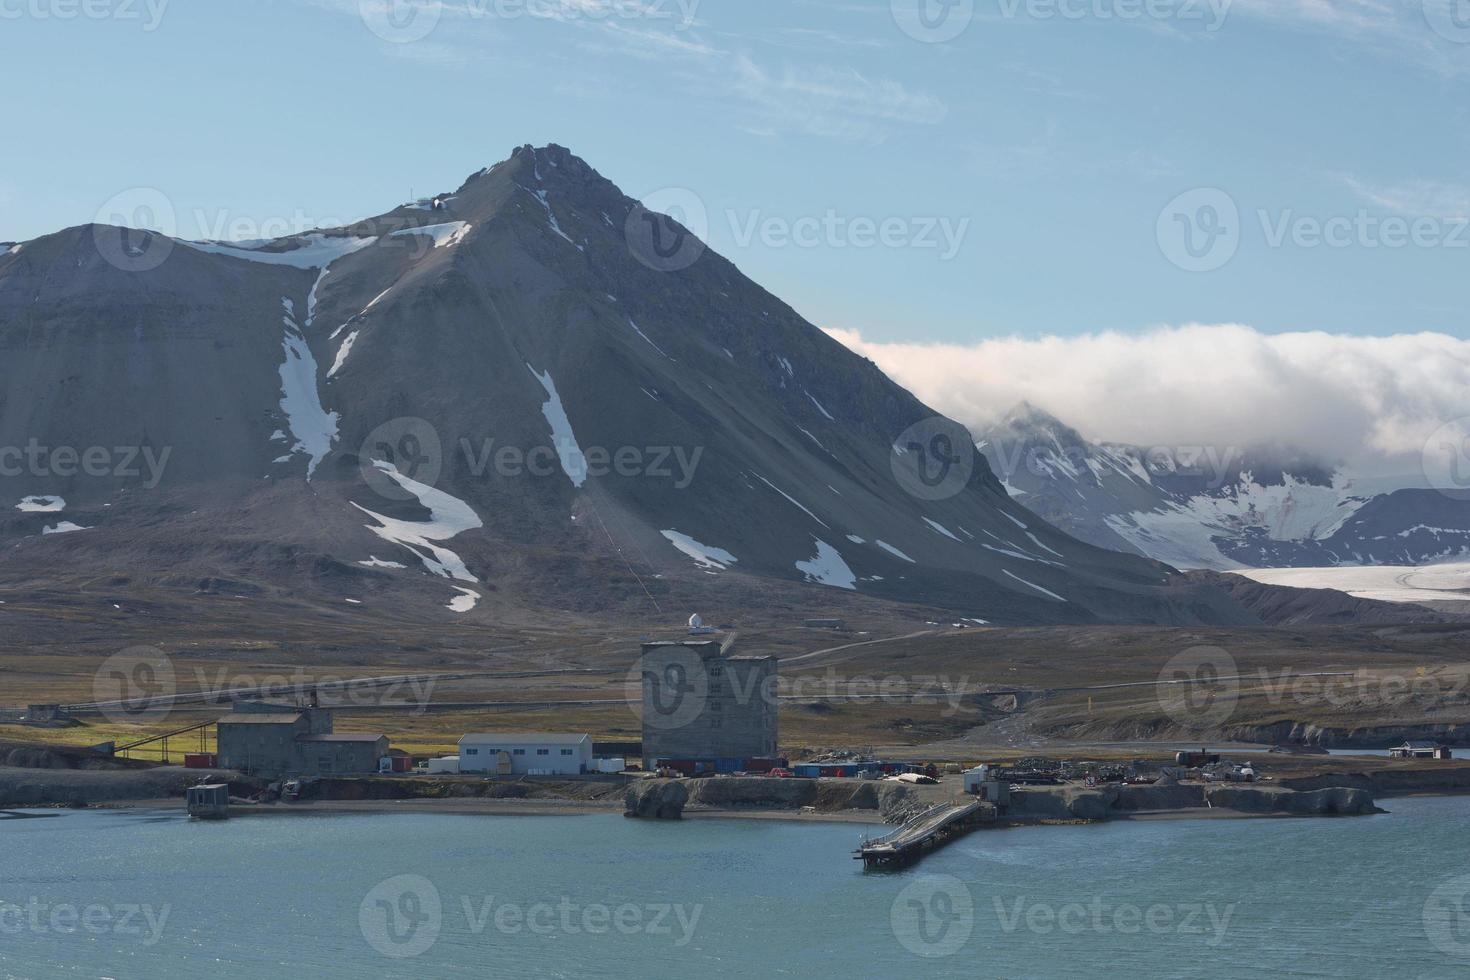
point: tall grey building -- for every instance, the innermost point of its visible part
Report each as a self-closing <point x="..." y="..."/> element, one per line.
<point x="699" y="704"/>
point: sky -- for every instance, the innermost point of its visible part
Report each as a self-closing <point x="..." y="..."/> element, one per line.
<point x="944" y="184"/>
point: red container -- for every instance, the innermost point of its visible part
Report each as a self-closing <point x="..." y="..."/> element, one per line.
<point x="402" y="763"/>
<point x="200" y="760"/>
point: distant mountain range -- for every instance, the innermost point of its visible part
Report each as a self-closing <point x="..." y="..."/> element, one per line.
<point x="1203" y="507"/>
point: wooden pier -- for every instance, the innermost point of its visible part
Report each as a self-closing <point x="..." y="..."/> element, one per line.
<point x="931" y="829"/>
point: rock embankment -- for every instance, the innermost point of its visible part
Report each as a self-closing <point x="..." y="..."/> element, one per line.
<point x="661" y="799"/>
<point x="895" y="802"/>
<point x="1111" y="802"/>
<point x="77" y="787"/>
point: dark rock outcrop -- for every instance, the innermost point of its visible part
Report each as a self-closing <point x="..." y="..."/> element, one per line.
<point x="662" y="799"/>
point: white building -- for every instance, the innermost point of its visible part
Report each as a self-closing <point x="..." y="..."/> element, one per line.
<point x="526" y="754"/>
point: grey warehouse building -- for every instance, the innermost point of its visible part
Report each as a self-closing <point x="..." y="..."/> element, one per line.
<point x="279" y="740"/>
<point x="699" y="704"/>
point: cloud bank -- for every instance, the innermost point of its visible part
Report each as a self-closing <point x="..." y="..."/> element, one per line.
<point x="1368" y="402"/>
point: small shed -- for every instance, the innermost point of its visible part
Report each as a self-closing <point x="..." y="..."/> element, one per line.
<point x="208" y="801"/>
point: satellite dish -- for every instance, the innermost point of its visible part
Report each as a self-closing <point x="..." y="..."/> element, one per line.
<point x="696" y="621"/>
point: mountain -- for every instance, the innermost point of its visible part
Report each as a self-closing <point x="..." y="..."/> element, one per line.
<point x="525" y="398"/>
<point x="1213" y="508"/>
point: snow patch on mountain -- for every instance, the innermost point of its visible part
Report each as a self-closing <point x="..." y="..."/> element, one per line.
<point x="941" y="529"/>
<point x="312" y="252"/>
<point x="449" y="234"/>
<point x="63" y="527"/>
<point x="573" y="463"/>
<point x="894" y="551"/>
<point x="1033" y="585"/>
<point x="448" y="516"/>
<point x="43" y="504"/>
<point x="792" y="499"/>
<point x="704" y="555"/>
<point x="342" y="353"/>
<point x="465" y="601"/>
<point x="646" y="337"/>
<point x="314" y="427"/>
<point x="828" y="568"/>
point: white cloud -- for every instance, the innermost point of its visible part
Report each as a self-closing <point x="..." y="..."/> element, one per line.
<point x="1417" y="198"/>
<point x="1369" y="401"/>
<point x="837" y="102"/>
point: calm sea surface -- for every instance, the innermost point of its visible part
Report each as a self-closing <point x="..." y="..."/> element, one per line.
<point x="134" y="895"/>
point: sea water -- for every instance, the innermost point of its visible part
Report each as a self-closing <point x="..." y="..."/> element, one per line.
<point x="133" y="894"/>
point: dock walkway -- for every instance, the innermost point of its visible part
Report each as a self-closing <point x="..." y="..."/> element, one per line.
<point x="933" y="828"/>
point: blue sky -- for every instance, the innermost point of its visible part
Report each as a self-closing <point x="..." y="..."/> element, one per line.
<point x="1050" y="146"/>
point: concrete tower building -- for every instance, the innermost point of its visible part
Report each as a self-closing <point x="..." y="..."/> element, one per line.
<point x="699" y="704"/>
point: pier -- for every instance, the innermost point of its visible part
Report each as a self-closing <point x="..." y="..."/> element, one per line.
<point x="931" y="829"/>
